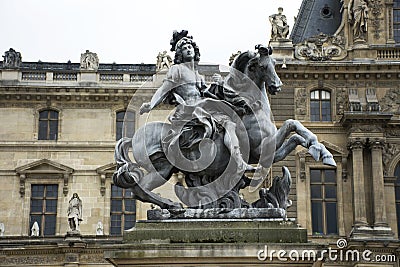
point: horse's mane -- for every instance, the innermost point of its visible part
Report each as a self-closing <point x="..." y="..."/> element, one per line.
<point x="242" y="60"/>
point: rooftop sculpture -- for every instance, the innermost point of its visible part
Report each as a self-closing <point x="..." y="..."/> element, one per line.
<point x="214" y="137"/>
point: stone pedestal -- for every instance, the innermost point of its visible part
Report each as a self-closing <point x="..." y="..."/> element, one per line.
<point x="206" y="242"/>
<point x="283" y="49"/>
<point x="217" y="231"/>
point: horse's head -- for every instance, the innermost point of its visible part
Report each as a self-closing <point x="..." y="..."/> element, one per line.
<point x="265" y="69"/>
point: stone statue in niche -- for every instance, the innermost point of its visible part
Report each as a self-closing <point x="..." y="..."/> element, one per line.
<point x="2" y="229"/>
<point x="89" y="61"/>
<point x="12" y="59"/>
<point x="164" y="61"/>
<point x="358" y="17"/>
<point x="280" y="28"/>
<point x="99" y="228"/>
<point x="74" y="213"/>
<point x="35" y="229"/>
<point x="215" y="135"/>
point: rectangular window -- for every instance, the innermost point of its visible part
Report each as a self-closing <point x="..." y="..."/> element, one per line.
<point x="323" y="202"/>
<point x="320" y="105"/>
<point x="123" y="210"/>
<point x="43" y="209"/>
<point x="48" y="125"/>
<point x="125" y="124"/>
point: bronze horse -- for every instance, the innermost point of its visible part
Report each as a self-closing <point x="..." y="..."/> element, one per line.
<point x="212" y="179"/>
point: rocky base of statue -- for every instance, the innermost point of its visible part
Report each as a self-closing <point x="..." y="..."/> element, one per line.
<point x="217" y="213"/>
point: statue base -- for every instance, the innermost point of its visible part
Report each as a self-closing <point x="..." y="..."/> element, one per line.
<point x="216" y="231"/>
<point x="216" y="213"/>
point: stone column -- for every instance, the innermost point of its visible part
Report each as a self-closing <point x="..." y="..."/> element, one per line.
<point x="376" y="146"/>
<point x="360" y="213"/>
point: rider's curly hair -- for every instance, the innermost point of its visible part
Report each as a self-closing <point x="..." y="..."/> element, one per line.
<point x="178" y="50"/>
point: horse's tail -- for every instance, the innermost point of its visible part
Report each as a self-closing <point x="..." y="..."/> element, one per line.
<point x="127" y="173"/>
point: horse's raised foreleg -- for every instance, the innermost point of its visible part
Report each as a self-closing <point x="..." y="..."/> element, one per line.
<point x="288" y="146"/>
<point x="309" y="140"/>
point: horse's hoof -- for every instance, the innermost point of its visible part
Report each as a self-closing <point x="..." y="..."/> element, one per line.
<point x="329" y="161"/>
<point x="314" y="151"/>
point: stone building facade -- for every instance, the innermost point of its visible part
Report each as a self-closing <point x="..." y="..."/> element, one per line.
<point x="60" y="122"/>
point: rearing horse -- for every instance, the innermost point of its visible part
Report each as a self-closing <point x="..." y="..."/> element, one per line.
<point x="251" y="75"/>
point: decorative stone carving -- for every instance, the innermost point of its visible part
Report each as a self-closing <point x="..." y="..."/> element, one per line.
<point x="391" y="101"/>
<point x="164" y="61"/>
<point x="376" y="7"/>
<point x="35" y="229"/>
<point x="356" y="143"/>
<point x="301" y="102"/>
<point x="89" y="61"/>
<point x="321" y="48"/>
<point x="342" y="102"/>
<point x="99" y="228"/>
<point x="389" y="151"/>
<point x="369" y="128"/>
<point x="12" y="59"/>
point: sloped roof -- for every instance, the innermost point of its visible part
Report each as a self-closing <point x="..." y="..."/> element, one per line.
<point x="315" y="17"/>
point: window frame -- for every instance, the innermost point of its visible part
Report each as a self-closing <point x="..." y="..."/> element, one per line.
<point x="44" y="212"/>
<point x="48" y="121"/>
<point x="120" y="129"/>
<point x="324" y="201"/>
<point x="123" y="213"/>
<point x="320" y="100"/>
<point x="396" y="23"/>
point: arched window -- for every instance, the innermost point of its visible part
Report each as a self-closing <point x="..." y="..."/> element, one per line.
<point x="397" y="193"/>
<point x="48" y="125"/>
<point x="127" y="129"/>
<point x="320" y="105"/>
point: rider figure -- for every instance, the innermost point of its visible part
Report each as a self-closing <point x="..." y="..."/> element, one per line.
<point x="183" y="87"/>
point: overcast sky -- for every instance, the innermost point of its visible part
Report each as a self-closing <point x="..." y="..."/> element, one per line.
<point x="131" y="31"/>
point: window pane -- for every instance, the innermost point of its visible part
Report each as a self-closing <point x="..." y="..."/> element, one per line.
<point x="326" y="110"/>
<point x="116" y="191"/>
<point x="316" y="210"/>
<point x="43" y="114"/>
<point x="129" y="222"/>
<point x="118" y="130"/>
<point x="52" y="191"/>
<point x="315" y="95"/>
<point x="50" y="225"/>
<point x="53" y="114"/>
<point x="115" y="228"/>
<point x="51" y="205"/>
<point x="116" y="205"/>
<point x="330" y="191"/>
<point x="120" y="115"/>
<point x="331" y="218"/>
<point x="315" y="176"/>
<point x="330" y="176"/>
<point x="316" y="191"/>
<point x="43" y="130"/>
<point x="325" y="95"/>
<point x="36" y="205"/>
<point x="53" y="130"/>
<point x="37" y="190"/>
<point x="398" y="216"/>
<point x="314" y="112"/>
<point x="130" y="205"/>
